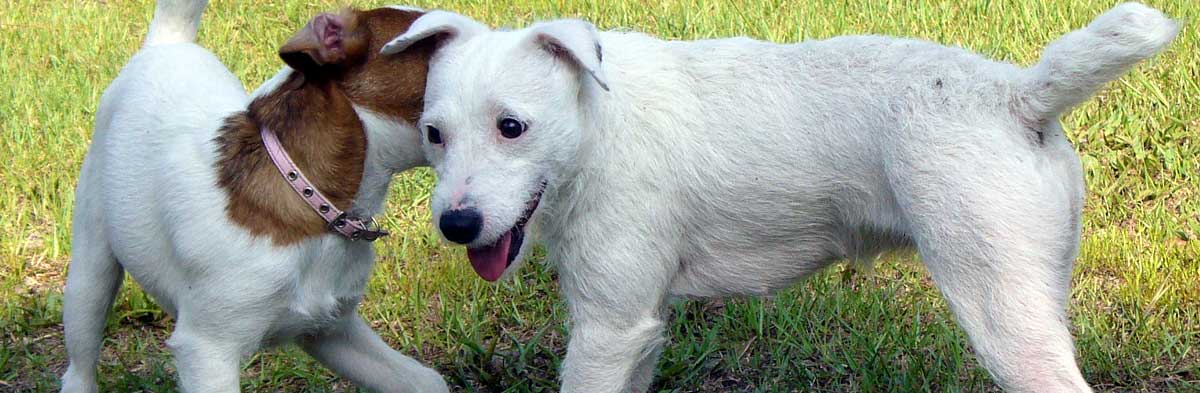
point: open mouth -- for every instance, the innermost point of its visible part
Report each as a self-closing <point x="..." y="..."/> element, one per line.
<point x="492" y="260"/>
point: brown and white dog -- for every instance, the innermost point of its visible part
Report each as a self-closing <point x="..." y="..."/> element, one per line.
<point x="181" y="189"/>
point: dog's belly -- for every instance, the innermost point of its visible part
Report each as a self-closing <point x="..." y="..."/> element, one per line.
<point x="758" y="272"/>
<point x="762" y="268"/>
<point x="764" y="233"/>
<point x="743" y="255"/>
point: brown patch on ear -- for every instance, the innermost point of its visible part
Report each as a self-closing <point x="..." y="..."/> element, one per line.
<point x="326" y="43"/>
<point x="392" y="85"/>
<point x="320" y="131"/>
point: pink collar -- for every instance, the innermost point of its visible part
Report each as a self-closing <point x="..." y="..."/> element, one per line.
<point x="353" y="228"/>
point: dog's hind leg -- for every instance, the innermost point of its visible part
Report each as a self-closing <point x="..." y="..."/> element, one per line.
<point x="357" y="353"/>
<point x="93" y="279"/>
<point x="999" y="239"/>
<point x="92" y="283"/>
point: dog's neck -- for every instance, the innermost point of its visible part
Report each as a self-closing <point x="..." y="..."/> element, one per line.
<point x="394" y="146"/>
<point x="321" y="131"/>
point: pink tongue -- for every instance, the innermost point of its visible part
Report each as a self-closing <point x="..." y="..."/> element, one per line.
<point x="490" y="261"/>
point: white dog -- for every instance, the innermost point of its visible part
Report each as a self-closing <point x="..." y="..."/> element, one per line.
<point x="722" y="167"/>
<point x="179" y="191"/>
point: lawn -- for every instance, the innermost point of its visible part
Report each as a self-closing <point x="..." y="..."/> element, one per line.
<point x="1135" y="304"/>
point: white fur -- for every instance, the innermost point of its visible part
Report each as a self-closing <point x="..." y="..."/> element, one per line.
<point x="405" y="8"/>
<point x="734" y="166"/>
<point x="147" y="203"/>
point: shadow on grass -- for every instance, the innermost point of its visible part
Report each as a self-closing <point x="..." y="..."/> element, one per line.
<point x="839" y="331"/>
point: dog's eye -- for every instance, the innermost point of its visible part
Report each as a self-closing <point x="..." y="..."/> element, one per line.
<point x="510" y="127"/>
<point x="435" y="135"/>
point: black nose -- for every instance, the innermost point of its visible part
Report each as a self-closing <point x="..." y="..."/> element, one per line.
<point x="461" y="226"/>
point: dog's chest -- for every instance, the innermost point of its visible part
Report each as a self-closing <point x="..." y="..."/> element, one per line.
<point x="326" y="288"/>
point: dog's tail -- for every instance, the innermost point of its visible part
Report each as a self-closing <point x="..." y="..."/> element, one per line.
<point x="175" y="21"/>
<point x="1075" y="66"/>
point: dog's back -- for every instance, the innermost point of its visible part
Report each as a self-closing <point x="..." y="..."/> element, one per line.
<point x="151" y="152"/>
<point x="149" y="140"/>
<point x="831" y="129"/>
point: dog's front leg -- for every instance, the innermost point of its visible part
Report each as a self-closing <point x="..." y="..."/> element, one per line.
<point x="617" y="325"/>
<point x="206" y="363"/>
<point x="603" y="356"/>
<point x="357" y="353"/>
<point x="643" y="375"/>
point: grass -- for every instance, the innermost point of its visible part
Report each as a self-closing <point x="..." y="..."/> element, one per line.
<point x="1135" y="305"/>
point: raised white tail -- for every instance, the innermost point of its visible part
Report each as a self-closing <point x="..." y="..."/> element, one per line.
<point x="1075" y="66"/>
<point x="175" y="21"/>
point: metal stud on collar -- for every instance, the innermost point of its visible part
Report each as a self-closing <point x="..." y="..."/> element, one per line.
<point x="337" y="221"/>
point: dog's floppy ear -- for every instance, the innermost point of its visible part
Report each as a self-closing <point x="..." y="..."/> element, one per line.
<point x="446" y="26"/>
<point x="574" y="41"/>
<point x="321" y="42"/>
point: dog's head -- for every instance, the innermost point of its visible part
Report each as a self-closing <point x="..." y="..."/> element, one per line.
<point x="502" y="121"/>
<point x="337" y="94"/>
<point x="343" y="51"/>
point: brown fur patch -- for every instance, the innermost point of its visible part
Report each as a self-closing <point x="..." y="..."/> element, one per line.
<point x="313" y="114"/>
<point x="383" y="88"/>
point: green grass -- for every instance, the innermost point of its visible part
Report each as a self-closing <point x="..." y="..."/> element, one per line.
<point x="1135" y="305"/>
